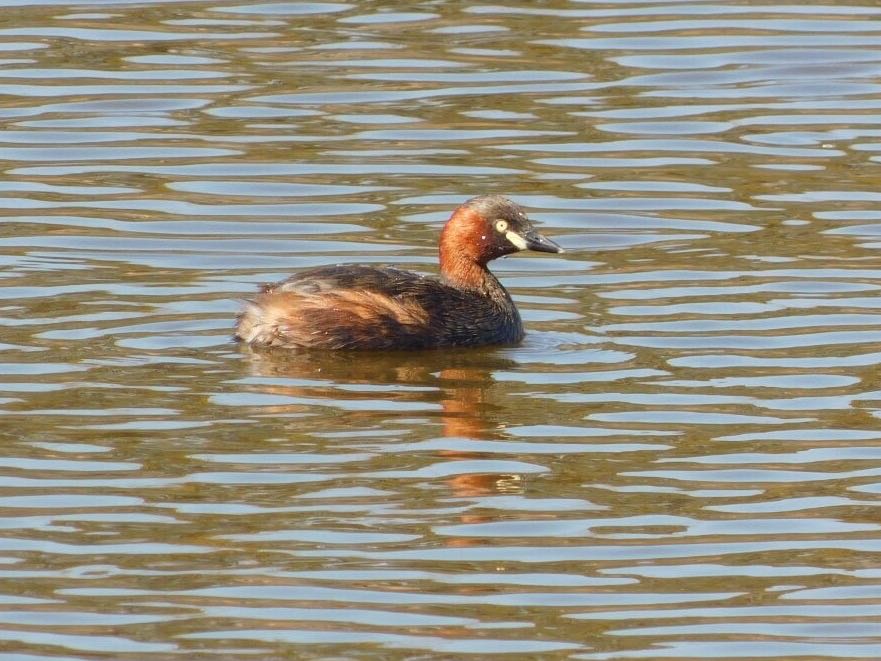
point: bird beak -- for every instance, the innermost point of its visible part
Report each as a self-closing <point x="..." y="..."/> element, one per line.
<point x="539" y="243"/>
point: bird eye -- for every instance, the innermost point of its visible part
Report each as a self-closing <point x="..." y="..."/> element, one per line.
<point x="501" y="225"/>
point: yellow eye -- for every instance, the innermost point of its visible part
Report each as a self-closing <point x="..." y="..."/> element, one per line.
<point x="501" y="225"/>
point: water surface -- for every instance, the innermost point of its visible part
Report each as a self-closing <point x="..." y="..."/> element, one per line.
<point x="681" y="461"/>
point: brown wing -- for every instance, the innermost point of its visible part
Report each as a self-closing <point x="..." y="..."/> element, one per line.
<point x="350" y="307"/>
<point x="364" y="307"/>
<point x="380" y="279"/>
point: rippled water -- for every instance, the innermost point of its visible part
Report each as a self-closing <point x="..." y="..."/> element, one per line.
<point x="682" y="460"/>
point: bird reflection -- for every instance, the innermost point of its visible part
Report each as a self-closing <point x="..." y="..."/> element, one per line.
<point x="458" y="384"/>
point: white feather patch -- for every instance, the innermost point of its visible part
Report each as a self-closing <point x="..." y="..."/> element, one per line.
<point x="518" y="241"/>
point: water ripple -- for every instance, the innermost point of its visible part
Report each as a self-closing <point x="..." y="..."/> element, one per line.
<point x="681" y="455"/>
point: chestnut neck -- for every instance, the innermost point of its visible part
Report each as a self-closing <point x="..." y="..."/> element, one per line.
<point x="465" y="272"/>
<point x="464" y="253"/>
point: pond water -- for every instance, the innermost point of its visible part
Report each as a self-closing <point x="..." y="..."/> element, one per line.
<point x="681" y="461"/>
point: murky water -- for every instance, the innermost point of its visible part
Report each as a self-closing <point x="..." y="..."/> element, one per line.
<point x="682" y="460"/>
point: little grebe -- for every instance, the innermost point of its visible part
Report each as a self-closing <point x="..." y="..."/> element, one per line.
<point x="367" y="307"/>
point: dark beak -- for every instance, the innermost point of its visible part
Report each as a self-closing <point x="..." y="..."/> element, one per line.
<point x="539" y="243"/>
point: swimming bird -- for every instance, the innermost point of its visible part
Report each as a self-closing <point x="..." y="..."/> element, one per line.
<point x="369" y="307"/>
